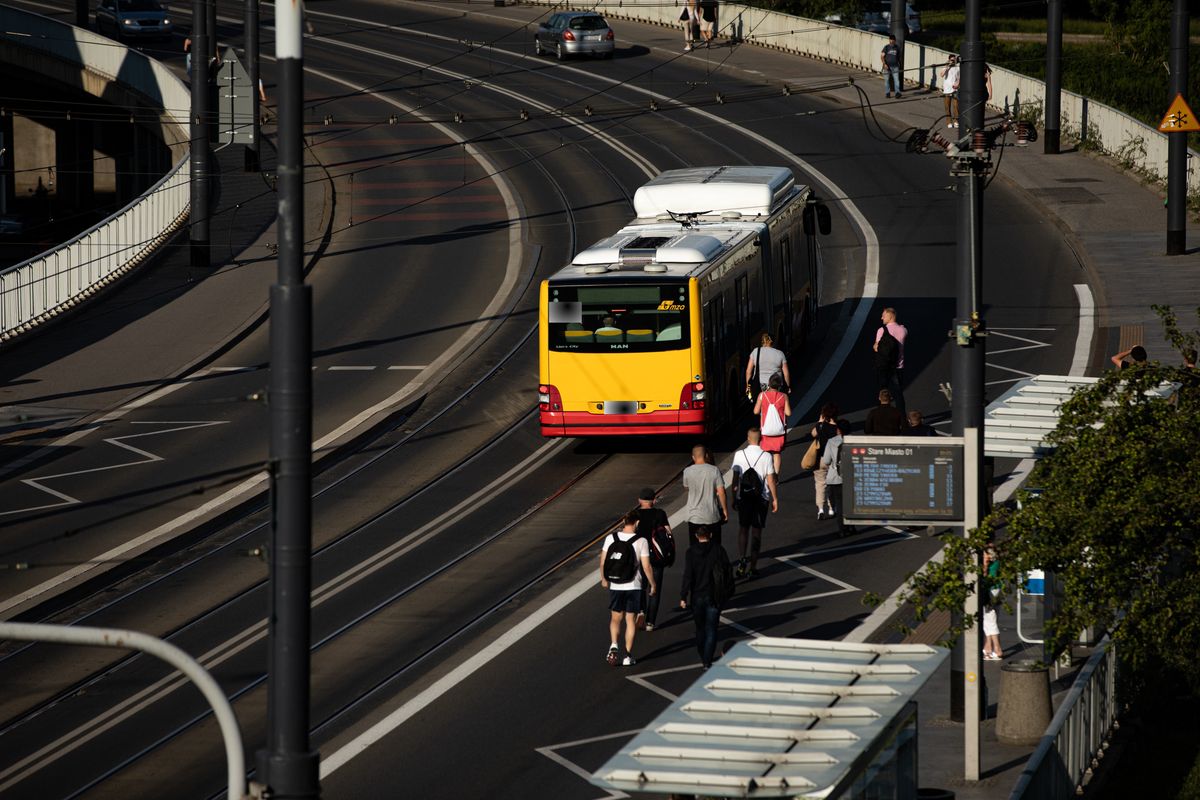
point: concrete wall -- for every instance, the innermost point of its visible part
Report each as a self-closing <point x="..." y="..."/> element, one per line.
<point x="1134" y="143"/>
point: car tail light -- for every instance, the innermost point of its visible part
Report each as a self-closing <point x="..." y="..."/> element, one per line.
<point x="548" y="398"/>
<point x="692" y="396"/>
<point x="609" y="35"/>
<point x="568" y="36"/>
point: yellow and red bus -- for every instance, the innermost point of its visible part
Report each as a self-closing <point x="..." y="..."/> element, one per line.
<point x="648" y="331"/>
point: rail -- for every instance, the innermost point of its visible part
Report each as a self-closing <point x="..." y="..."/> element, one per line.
<point x="1131" y="142"/>
<point x="1079" y="731"/>
<point x="51" y="282"/>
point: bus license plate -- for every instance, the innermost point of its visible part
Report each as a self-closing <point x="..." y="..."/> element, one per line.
<point x="620" y="407"/>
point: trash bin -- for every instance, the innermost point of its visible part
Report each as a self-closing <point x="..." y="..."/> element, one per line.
<point x="1025" y="709"/>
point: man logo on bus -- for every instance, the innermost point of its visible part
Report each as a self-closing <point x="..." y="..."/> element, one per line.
<point x="670" y="305"/>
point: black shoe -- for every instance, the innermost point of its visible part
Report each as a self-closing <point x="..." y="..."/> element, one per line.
<point x="898" y="95"/>
<point x="889" y="94"/>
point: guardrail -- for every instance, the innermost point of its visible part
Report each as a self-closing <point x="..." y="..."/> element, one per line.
<point x="1080" y="728"/>
<point x="49" y="283"/>
<point x="1133" y="143"/>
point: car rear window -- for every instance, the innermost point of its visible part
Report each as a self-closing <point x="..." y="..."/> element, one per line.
<point x="588" y="24"/>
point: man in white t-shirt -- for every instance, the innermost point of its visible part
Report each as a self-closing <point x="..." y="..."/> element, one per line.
<point x="630" y="552"/>
<point x="752" y="509"/>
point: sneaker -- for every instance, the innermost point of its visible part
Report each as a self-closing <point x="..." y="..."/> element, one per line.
<point x="740" y="572"/>
<point x="614" y="655"/>
<point x="752" y="574"/>
<point x="898" y="95"/>
<point x="629" y="661"/>
<point x="640" y="621"/>
<point x="820" y="514"/>
<point x="889" y="94"/>
<point x="687" y="48"/>
<point x="649" y="626"/>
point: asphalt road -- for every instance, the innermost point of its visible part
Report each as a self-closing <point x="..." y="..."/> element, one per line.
<point x="453" y="523"/>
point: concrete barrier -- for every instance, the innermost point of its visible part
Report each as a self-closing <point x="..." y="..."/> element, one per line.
<point x="1025" y="709"/>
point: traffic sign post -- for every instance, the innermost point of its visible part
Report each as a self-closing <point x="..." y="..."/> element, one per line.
<point x="1180" y="121"/>
<point x="236" y="102"/>
<point x="909" y="480"/>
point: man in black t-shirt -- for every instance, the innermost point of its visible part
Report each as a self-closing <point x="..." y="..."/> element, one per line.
<point x="650" y="518"/>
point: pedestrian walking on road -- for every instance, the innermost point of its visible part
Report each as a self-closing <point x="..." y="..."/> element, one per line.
<point x="889" y="59"/>
<point x="888" y="349"/>
<point x="690" y="18"/>
<point x="655" y="528"/>
<point x="705" y="560"/>
<point x="885" y="419"/>
<point x="917" y="426"/>
<point x="766" y="361"/>
<point x="822" y="432"/>
<point x="754" y="491"/>
<point x="774" y="410"/>
<point x="708" y="20"/>
<point x="832" y="460"/>
<point x="950" y="91"/>
<point x="621" y="556"/>
<point x="706" y="503"/>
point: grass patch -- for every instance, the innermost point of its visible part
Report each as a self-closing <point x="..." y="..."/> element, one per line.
<point x="956" y="21"/>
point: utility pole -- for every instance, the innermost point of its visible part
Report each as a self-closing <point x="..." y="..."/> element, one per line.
<point x="198" y="238"/>
<point x="1177" y="171"/>
<point x="288" y="766"/>
<point x="1053" y="77"/>
<point x="81" y="13"/>
<point x="900" y="31"/>
<point x="967" y="366"/>
<point x="252" y="158"/>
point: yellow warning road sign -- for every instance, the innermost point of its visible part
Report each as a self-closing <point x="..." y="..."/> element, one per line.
<point x="1179" y="118"/>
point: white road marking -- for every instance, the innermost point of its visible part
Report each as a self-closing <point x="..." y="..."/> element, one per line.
<point x="235" y="369"/>
<point x="642" y="679"/>
<point x="1014" y="371"/>
<point x="405" y="367"/>
<point x="549" y="752"/>
<point x="117" y="441"/>
<point x="351" y="369"/>
<point x="1087" y="329"/>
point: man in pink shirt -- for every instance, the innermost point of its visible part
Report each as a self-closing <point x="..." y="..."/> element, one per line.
<point x="889" y="356"/>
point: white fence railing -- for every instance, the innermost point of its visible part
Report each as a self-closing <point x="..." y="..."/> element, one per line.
<point x="1132" y="142"/>
<point x="37" y="289"/>
<point x="1068" y="749"/>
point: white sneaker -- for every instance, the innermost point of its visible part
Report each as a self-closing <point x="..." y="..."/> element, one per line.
<point x="613" y="655"/>
<point x="628" y="662"/>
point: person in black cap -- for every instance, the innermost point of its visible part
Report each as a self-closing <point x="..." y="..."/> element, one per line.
<point x="656" y="528"/>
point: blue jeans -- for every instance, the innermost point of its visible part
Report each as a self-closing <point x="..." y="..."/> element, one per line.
<point x="707" y="617"/>
<point x="893" y="79"/>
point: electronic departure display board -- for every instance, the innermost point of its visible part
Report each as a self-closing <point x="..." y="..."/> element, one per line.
<point x="903" y="478"/>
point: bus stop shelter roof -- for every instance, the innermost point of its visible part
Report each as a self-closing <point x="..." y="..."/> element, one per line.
<point x="1017" y="423"/>
<point x="775" y="718"/>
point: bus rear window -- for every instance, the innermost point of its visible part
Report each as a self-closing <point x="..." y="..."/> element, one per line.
<point x="636" y="318"/>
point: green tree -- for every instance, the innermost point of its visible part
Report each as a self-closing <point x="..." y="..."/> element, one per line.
<point x="1139" y="28"/>
<point x="1116" y="520"/>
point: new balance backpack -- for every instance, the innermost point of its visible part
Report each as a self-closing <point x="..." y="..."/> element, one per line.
<point x="620" y="562"/>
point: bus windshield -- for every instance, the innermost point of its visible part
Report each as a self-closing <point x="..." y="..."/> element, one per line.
<point x="631" y="318"/>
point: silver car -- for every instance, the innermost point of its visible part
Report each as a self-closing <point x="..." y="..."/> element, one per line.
<point x="570" y="33"/>
<point x="133" y="19"/>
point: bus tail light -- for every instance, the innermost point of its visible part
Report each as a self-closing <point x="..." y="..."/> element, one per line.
<point x="692" y="396"/>
<point x="548" y="398"/>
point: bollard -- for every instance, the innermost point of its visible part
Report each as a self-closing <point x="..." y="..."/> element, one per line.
<point x="1025" y="708"/>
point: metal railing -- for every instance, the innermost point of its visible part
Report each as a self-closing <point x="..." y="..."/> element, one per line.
<point x="1080" y="729"/>
<point x="51" y="282"/>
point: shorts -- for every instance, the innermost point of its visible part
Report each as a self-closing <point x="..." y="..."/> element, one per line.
<point x="752" y="513"/>
<point x="990" y="627"/>
<point x="628" y="601"/>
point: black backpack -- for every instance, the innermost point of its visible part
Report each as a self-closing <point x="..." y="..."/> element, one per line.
<point x="662" y="547"/>
<point x="620" y="562"/>
<point x="750" y="484"/>
<point x="720" y="579"/>
<point x="887" y="354"/>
